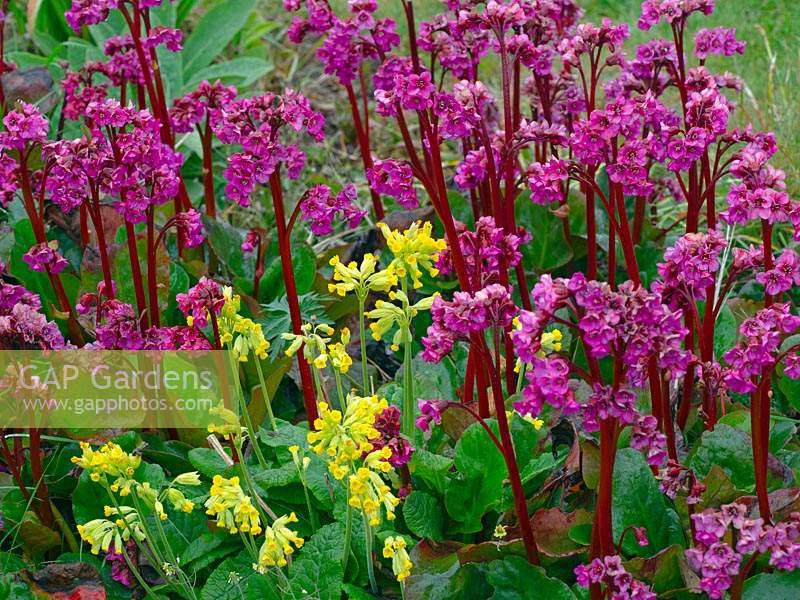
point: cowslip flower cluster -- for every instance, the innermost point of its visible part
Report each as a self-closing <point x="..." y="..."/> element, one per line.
<point x="244" y="336"/>
<point x="106" y="534"/>
<point x="414" y="250"/>
<point x="320" y="207"/>
<point x="360" y="279"/>
<point x="609" y="572"/>
<point x="718" y="561"/>
<point x="314" y="339"/>
<point x="761" y="337"/>
<point x="388" y="316"/>
<point x="369" y="492"/>
<point x="232" y="508"/>
<point x="109" y="463"/>
<point x="279" y="543"/>
<point x="345" y="438"/>
<point x="394" y="547"/>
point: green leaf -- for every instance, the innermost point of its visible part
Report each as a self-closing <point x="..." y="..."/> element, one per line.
<point x="726" y="331"/>
<point x="729" y="448"/>
<point x="240" y="72"/>
<point x="514" y="578"/>
<point x="479" y="484"/>
<point x="548" y="249"/>
<point x="213" y="33"/>
<point x="317" y="572"/>
<point x="638" y="501"/>
<point x="208" y="462"/>
<point x="772" y="586"/>
<point x="304" y="261"/>
<point x="230" y="580"/>
<point x="431" y="468"/>
<point x="423" y="515"/>
<point x="88" y="499"/>
<point x="11" y="563"/>
<point x="225" y="239"/>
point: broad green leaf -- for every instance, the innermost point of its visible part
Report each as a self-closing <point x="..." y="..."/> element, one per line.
<point x="225" y="240"/>
<point x="230" y="580"/>
<point x="514" y="578"/>
<point x="478" y="487"/>
<point x="548" y="248"/>
<point x="726" y="331"/>
<point x="638" y="501"/>
<point x="240" y="72"/>
<point x="423" y="515"/>
<point x="773" y="586"/>
<point x="212" y="33"/>
<point x="729" y="448"/>
<point x="208" y="462"/>
<point x="431" y="468"/>
<point x="317" y="570"/>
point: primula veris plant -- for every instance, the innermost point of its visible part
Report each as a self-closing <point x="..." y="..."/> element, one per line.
<point x="538" y="336"/>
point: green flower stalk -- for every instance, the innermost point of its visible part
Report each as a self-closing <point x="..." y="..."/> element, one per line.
<point x="398" y="317"/>
<point x="361" y="280"/>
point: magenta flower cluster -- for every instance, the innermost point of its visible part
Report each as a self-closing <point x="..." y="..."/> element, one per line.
<point x="610" y="572"/>
<point x="717" y="561"/>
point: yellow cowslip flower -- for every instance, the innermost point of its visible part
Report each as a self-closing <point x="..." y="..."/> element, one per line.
<point x="249" y="338"/>
<point x="551" y="341"/>
<point x="314" y="339"/>
<point x="344" y="438"/>
<point x="278" y="544"/>
<point x="102" y="533"/>
<point x="388" y="315"/>
<point x="301" y="464"/>
<point x="111" y="460"/>
<point x="232" y="507"/>
<point x="189" y="478"/>
<point x="369" y="493"/>
<point x="178" y="500"/>
<point x="500" y="532"/>
<point x="535" y="421"/>
<point x="229" y="421"/>
<point x="394" y="547"/>
<point x="414" y="250"/>
<point x="360" y="279"/>
<point x="340" y="359"/>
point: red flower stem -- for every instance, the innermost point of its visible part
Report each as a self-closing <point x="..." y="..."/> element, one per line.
<point x="37" y="474"/>
<point x="591" y="232"/>
<point x="467" y="392"/>
<point x="363" y="145"/>
<point x="152" y="280"/>
<point x="760" y="401"/>
<point x="13" y="466"/>
<point x="208" y="171"/>
<point x="483" y="394"/>
<point x="284" y="245"/>
<point x="261" y="251"/>
<point x="136" y="274"/>
<point x="520" y="504"/>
